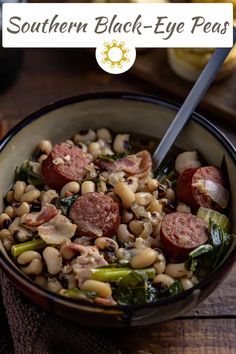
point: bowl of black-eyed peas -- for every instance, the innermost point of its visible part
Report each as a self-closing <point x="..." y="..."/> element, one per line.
<point x="91" y="232"/>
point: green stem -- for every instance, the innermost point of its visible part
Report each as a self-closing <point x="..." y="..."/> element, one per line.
<point x="113" y="275"/>
<point x="33" y="245"/>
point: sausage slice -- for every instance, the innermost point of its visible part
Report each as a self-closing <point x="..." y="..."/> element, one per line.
<point x="181" y="233"/>
<point x="191" y="195"/>
<point x="95" y="215"/>
<point x="65" y="163"/>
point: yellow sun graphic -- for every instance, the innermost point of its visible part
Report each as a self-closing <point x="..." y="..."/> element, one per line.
<point x="115" y="54"/>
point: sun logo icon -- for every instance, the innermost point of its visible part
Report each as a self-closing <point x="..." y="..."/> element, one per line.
<point x="115" y="54"/>
<point x="115" y="57"/>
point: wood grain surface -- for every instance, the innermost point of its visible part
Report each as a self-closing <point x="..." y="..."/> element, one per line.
<point x="50" y="75"/>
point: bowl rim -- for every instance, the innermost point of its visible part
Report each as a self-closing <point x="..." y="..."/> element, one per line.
<point x="139" y="97"/>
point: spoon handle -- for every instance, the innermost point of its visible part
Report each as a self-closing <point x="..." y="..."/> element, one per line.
<point x="194" y="97"/>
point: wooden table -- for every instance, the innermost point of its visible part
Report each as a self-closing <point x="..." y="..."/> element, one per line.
<point x="49" y="75"/>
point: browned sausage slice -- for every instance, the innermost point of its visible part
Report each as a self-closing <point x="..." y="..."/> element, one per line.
<point x="191" y="195"/>
<point x="95" y="215"/>
<point x="181" y="233"/>
<point x="65" y="163"/>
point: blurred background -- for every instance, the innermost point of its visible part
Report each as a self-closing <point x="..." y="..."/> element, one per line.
<point x="32" y="78"/>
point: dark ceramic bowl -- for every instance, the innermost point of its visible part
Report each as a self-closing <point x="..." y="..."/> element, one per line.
<point x="127" y="113"/>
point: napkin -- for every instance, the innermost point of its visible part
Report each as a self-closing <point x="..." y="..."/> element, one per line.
<point x="27" y="329"/>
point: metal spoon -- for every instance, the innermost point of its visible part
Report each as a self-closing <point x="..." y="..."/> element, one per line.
<point x="194" y="97"/>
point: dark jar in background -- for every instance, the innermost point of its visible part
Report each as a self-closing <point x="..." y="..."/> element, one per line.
<point x="10" y="59"/>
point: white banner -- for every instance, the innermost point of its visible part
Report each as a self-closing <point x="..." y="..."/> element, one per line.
<point x="149" y="25"/>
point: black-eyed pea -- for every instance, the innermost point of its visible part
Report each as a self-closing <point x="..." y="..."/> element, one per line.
<point x="21" y="209"/>
<point x="160" y="264"/>
<point x="83" y="147"/>
<point x="6" y="238"/>
<point x="107" y="151"/>
<point x="72" y="187"/>
<point x="85" y="137"/>
<point x="102" y="143"/>
<point x="22" y="234"/>
<point x="18" y="231"/>
<point x="34" y="268"/>
<point x="29" y="187"/>
<point x="123" y="234"/>
<point x="139" y="243"/>
<point x="147" y="230"/>
<point x="54" y="285"/>
<point x="69" y="141"/>
<point x="48" y="196"/>
<point x="41" y="281"/>
<point x="106" y="243"/>
<point x="4" y="233"/>
<point x="30" y="196"/>
<point x="87" y="187"/>
<point x="132" y="183"/>
<point x="10" y="196"/>
<point x="53" y="260"/>
<point x="94" y="149"/>
<point x="7" y="244"/>
<point x="5" y="221"/>
<point x="176" y="270"/>
<point x="68" y="281"/>
<point x="27" y="257"/>
<point x="142" y="185"/>
<point x="163" y="279"/>
<point x="183" y="208"/>
<point x="45" y="146"/>
<point x="155" y="218"/>
<point x="170" y="194"/>
<point x="126" y="195"/>
<point x="19" y="189"/>
<point x="155" y="206"/>
<point x="152" y="184"/>
<point x="156" y="230"/>
<point x="67" y="253"/>
<point x="168" y="206"/>
<point x="186" y="283"/>
<point x="126" y="216"/>
<point x="102" y="289"/>
<point x="136" y="227"/>
<point x="121" y="143"/>
<point x="161" y="189"/>
<point x="10" y="211"/>
<point x="104" y="134"/>
<point x="42" y="158"/>
<point x="115" y="177"/>
<point x="143" y="258"/>
<point x="15" y="223"/>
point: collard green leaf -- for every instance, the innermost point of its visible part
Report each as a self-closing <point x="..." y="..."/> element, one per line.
<point x="64" y="204"/>
<point x="152" y="293"/>
<point x="201" y="250"/>
<point x="175" y="288"/>
<point x="191" y="264"/>
<point x="29" y="172"/>
<point x="132" y="289"/>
